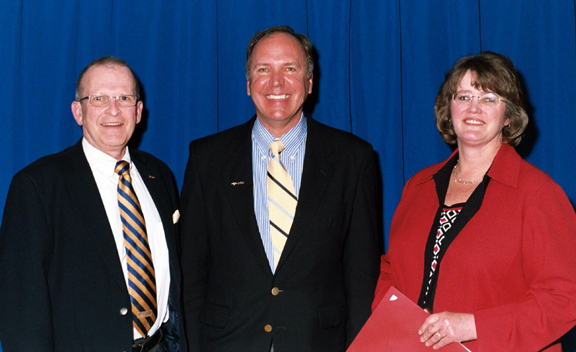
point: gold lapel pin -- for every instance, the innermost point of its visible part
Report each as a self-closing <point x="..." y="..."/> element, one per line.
<point x="152" y="177"/>
<point x="237" y="183"/>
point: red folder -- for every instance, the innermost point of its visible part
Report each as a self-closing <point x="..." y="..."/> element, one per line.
<point x="393" y="326"/>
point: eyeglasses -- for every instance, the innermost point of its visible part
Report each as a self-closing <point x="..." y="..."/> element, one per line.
<point x="104" y="100"/>
<point x="488" y="99"/>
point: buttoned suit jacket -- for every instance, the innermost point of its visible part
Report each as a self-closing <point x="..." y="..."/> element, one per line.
<point x="321" y="292"/>
<point x="61" y="282"/>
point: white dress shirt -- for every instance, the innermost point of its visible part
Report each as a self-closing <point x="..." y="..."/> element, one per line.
<point x="102" y="166"/>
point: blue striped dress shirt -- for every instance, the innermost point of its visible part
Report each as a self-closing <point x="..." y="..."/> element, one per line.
<point x="292" y="157"/>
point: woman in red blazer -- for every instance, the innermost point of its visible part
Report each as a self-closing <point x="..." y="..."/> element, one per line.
<point x="484" y="239"/>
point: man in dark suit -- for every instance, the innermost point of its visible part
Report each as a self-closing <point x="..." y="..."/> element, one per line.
<point x="242" y="291"/>
<point x="64" y="245"/>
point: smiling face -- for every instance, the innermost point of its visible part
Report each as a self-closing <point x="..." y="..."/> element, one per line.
<point x="278" y="82"/>
<point x="108" y="128"/>
<point x="474" y="123"/>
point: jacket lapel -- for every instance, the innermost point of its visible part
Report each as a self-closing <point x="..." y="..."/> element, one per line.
<point x="158" y="191"/>
<point x="166" y="203"/>
<point x="316" y="176"/>
<point x="82" y="187"/>
<point x="239" y="186"/>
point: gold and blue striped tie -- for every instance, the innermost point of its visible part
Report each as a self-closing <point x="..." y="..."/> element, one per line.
<point x="141" y="280"/>
<point x="282" y="201"/>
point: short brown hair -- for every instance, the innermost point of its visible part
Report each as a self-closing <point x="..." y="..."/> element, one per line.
<point x="305" y="43"/>
<point x="493" y="72"/>
<point x="104" y="61"/>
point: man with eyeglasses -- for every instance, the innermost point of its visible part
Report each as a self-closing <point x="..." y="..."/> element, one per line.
<point x="88" y="239"/>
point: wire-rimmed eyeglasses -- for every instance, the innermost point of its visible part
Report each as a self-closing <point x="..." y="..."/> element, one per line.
<point x="104" y="100"/>
<point x="488" y="99"/>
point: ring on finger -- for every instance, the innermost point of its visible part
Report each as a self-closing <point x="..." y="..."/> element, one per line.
<point x="440" y="337"/>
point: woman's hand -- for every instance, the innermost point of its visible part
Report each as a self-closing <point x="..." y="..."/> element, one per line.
<point x="444" y="328"/>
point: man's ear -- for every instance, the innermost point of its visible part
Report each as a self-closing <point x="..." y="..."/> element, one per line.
<point x="310" y="83"/>
<point x="139" y="108"/>
<point x="76" y="108"/>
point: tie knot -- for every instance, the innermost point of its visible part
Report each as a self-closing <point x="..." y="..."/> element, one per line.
<point x="122" y="168"/>
<point x="277" y="147"/>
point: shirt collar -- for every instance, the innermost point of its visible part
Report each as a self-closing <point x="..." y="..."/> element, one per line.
<point x="101" y="161"/>
<point x="505" y="167"/>
<point x="291" y="139"/>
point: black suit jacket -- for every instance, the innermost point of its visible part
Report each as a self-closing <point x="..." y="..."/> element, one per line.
<point x="321" y="293"/>
<point x="61" y="281"/>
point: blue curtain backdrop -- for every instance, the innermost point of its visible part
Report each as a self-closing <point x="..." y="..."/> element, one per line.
<point x="380" y="63"/>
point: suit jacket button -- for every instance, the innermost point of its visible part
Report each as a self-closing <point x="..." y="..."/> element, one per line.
<point x="123" y="311"/>
<point x="268" y="328"/>
<point x="276" y="291"/>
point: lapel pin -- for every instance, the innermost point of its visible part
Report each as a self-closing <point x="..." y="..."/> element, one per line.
<point x="152" y="177"/>
<point x="237" y="183"/>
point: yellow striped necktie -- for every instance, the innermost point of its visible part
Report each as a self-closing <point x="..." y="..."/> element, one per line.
<point x="282" y="200"/>
<point x="141" y="280"/>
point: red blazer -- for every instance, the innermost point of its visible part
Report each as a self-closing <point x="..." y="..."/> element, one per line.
<point x="513" y="265"/>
